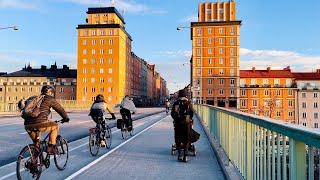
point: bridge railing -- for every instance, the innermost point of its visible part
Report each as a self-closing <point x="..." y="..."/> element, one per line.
<point x="262" y="148"/>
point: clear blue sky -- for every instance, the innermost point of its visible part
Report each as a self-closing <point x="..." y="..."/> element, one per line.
<point x="277" y="33"/>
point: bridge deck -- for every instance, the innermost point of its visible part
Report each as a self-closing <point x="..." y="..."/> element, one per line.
<point x="147" y="156"/>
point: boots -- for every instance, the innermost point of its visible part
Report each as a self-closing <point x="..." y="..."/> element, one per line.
<point x="52" y="149"/>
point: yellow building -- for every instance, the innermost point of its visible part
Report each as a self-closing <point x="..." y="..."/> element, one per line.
<point x="215" y="55"/>
<point x="104" y="48"/>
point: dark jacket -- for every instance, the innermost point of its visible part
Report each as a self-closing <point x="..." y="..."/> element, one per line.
<point x="48" y="103"/>
<point x="180" y="110"/>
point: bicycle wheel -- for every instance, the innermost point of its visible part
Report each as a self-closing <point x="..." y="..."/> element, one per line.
<point x="62" y="156"/>
<point x="108" y="137"/>
<point x="131" y="132"/>
<point x="29" y="163"/>
<point x="94" y="142"/>
<point x="124" y="131"/>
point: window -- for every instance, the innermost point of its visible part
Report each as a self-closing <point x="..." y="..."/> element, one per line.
<point x="221" y="40"/>
<point x="315" y="105"/>
<point x="231" y="41"/>
<point x="232" y="81"/>
<point x="93" y="80"/>
<point x="101" y="51"/>
<point x="253" y="81"/>
<point x="243" y="102"/>
<point x="93" y="90"/>
<point x="102" y="90"/>
<point x="93" y="51"/>
<point x="242" y="82"/>
<point x="290" y="92"/>
<point x="221" y="30"/>
<point x="266" y="92"/>
<point x="232" y="30"/>
<point x="220" y="50"/>
<point x="110" y="51"/>
<point x="278" y="103"/>
<point x="316" y="125"/>
<point x="254" y="92"/>
<point x="290" y="103"/>
<point x="199" y="52"/>
<point x="265" y="82"/>
<point x="199" y="72"/>
<point x="93" y="42"/>
<point x="315" y="115"/>
<point x="210" y="51"/>
<point x="231" y="51"/>
<point x="110" y="71"/>
<point x="93" y="71"/>
<point x="304" y="105"/>
<point x="101" y="70"/>
<point x="276" y="82"/>
<point x="304" y="124"/>
<point x="199" y="42"/>
<point x="254" y="103"/>
<point x="278" y="92"/>
<point x="102" y="32"/>
<point x="110" y="80"/>
<point x="221" y="81"/>
<point x="231" y="62"/>
<point x="111" y="32"/>
<point x="102" y="42"/>
<point x="290" y="114"/>
<point x="85" y="70"/>
<point x="199" y="62"/>
<point x="221" y="91"/>
<point x="110" y="61"/>
<point x="84" y="42"/>
<point x="109" y="89"/>
<point x="232" y="72"/>
<point x="288" y="82"/>
<point x="232" y="91"/>
<point x="101" y="80"/>
<point x="93" y="61"/>
<point x="210" y="71"/>
<point x="199" y="32"/>
<point x="315" y="95"/>
<point x="210" y="91"/>
<point x="209" y="40"/>
<point x="304" y="115"/>
<point x="101" y="61"/>
<point x="209" y="30"/>
<point x="278" y="114"/>
<point x="84" y="52"/>
<point x="210" y="61"/>
<point x="243" y="92"/>
<point x="93" y="32"/>
<point x="209" y="81"/>
<point x="221" y="61"/>
<point x="84" y="61"/>
<point x="221" y="71"/>
<point x="304" y="95"/>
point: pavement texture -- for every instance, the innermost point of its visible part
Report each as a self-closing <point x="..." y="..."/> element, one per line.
<point x="13" y="136"/>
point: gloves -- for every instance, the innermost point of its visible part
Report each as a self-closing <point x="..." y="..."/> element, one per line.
<point x="133" y="112"/>
<point x="113" y="116"/>
<point x="65" y="120"/>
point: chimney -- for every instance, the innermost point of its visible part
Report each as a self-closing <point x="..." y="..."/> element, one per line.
<point x="268" y="69"/>
<point x="253" y="69"/>
<point x="287" y="69"/>
<point x="65" y="67"/>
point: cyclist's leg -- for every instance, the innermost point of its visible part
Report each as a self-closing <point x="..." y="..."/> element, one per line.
<point x="129" y="119"/>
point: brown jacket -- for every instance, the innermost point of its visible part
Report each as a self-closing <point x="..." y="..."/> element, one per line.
<point x="48" y="103"/>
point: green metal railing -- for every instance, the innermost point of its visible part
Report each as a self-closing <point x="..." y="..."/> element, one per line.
<point x="262" y="148"/>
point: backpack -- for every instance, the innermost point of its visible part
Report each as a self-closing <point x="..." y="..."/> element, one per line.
<point x="182" y="112"/>
<point x="31" y="108"/>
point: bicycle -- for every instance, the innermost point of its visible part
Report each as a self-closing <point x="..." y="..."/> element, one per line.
<point x="36" y="156"/>
<point x="167" y="110"/>
<point x="99" y="133"/>
<point x="125" y="133"/>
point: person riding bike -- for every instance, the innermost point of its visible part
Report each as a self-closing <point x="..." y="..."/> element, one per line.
<point x="182" y="113"/>
<point x="42" y="123"/>
<point x="98" y="111"/>
<point x="126" y="107"/>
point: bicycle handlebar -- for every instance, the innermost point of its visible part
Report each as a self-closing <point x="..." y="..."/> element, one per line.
<point x="59" y="121"/>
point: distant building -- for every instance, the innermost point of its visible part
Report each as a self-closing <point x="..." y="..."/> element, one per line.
<point x="308" y="98"/>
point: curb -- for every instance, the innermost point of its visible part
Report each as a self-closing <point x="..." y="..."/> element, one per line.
<point x="230" y="172"/>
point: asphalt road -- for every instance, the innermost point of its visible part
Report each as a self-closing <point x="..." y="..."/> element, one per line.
<point x="13" y="136"/>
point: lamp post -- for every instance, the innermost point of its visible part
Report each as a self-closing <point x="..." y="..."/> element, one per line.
<point x="15" y="28"/>
<point x="179" y="28"/>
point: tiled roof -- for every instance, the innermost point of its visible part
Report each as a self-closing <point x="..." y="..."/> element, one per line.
<point x="307" y="75"/>
<point x="266" y="74"/>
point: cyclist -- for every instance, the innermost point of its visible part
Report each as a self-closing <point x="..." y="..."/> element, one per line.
<point x="41" y="123"/>
<point x="126" y="107"/>
<point x="98" y="111"/>
<point x="167" y="103"/>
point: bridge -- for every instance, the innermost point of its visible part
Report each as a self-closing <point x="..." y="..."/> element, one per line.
<point x="233" y="145"/>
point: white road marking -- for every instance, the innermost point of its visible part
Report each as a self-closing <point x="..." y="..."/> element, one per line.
<point x="117" y="147"/>
<point x="23" y="133"/>
<point x="108" y="153"/>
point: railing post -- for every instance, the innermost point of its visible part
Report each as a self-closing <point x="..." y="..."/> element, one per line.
<point x="311" y="162"/>
<point x="297" y="160"/>
<point x="249" y="151"/>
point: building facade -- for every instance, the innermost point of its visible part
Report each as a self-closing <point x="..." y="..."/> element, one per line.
<point x="269" y="93"/>
<point x="308" y="98"/>
<point x="104" y="49"/>
<point x="215" y="55"/>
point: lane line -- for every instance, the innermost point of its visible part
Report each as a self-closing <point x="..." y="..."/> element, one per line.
<point x="111" y="151"/>
<point x="13" y="173"/>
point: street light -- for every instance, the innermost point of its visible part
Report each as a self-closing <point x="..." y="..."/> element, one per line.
<point x="15" y="28"/>
<point x="182" y="27"/>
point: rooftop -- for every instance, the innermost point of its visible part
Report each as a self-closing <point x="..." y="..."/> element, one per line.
<point x="98" y="10"/>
